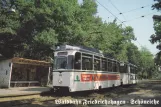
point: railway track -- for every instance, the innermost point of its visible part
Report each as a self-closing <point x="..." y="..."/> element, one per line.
<point x="49" y="98"/>
<point x="30" y="103"/>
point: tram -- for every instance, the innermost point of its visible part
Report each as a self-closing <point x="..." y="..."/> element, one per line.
<point x="78" y="68"/>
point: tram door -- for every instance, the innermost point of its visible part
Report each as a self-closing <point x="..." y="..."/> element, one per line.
<point x="87" y="64"/>
<point x="129" y="75"/>
<point x="96" y="74"/>
<point x="95" y="82"/>
<point x="83" y="64"/>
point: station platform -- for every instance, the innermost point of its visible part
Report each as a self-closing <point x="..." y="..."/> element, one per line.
<point x="22" y="91"/>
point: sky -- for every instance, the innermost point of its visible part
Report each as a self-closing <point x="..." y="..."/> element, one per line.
<point x="132" y="13"/>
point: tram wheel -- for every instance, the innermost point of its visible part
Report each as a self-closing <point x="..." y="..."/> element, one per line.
<point x="113" y="85"/>
<point x="121" y="83"/>
<point x="100" y="87"/>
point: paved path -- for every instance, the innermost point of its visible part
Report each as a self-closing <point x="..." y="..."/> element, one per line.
<point x="17" y="91"/>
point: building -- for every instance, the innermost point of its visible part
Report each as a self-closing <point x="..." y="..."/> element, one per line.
<point x="19" y="72"/>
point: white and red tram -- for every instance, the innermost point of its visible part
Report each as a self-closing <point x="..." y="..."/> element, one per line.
<point x="80" y="69"/>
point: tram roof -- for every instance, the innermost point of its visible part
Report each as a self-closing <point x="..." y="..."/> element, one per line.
<point x="127" y="63"/>
<point x="87" y="49"/>
<point x="132" y="65"/>
<point x="84" y="49"/>
<point x="79" y="48"/>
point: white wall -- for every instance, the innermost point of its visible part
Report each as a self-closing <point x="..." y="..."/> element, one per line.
<point x="5" y="73"/>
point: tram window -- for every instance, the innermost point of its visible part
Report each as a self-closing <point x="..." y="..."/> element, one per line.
<point x="96" y="64"/>
<point x="118" y="67"/>
<point x="123" y="69"/>
<point x="70" y="62"/>
<point x="62" y="53"/>
<point x="77" y="61"/>
<point x="61" y="63"/>
<point x="114" y="67"/>
<point x="86" y="63"/>
<point x="104" y="65"/>
<point x="135" y="70"/>
<point x="109" y="66"/>
<point x="131" y="69"/>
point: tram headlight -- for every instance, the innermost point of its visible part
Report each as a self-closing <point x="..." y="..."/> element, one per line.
<point x="60" y="81"/>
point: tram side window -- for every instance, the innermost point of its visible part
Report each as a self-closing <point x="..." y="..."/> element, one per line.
<point x="70" y="62"/>
<point x="86" y="63"/>
<point x="131" y="69"/>
<point x="135" y="70"/>
<point x="114" y="67"/>
<point x="123" y="69"/>
<point x="104" y="65"/>
<point x="77" y="61"/>
<point x="109" y="65"/>
<point x="96" y="64"/>
<point x="118" y="67"/>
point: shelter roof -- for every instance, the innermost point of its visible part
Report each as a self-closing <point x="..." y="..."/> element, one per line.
<point x="30" y="61"/>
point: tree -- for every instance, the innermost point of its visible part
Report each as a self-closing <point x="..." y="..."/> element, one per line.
<point x="133" y="54"/>
<point x="156" y="38"/>
<point x="146" y="63"/>
<point x="36" y="26"/>
<point x="9" y="23"/>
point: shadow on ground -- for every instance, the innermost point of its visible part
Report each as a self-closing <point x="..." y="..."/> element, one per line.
<point x="122" y="92"/>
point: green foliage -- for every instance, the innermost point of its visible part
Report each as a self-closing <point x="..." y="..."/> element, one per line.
<point x="146" y="63"/>
<point x="156" y="38"/>
<point x="35" y="27"/>
<point x="47" y="37"/>
<point x="133" y="54"/>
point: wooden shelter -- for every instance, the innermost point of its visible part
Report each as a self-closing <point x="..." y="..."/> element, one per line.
<point x="18" y="72"/>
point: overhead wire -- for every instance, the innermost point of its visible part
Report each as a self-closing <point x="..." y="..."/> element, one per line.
<point x="142" y="7"/>
<point x="139" y="17"/>
<point x="117" y="9"/>
<point x="137" y="8"/>
<point x="117" y="17"/>
<point x="109" y="12"/>
<point x="139" y="43"/>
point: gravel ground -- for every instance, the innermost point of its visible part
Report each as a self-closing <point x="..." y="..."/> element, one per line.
<point x="144" y="94"/>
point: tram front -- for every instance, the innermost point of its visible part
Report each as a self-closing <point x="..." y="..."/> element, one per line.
<point x="63" y="69"/>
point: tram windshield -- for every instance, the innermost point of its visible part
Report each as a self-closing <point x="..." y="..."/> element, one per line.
<point x="60" y="63"/>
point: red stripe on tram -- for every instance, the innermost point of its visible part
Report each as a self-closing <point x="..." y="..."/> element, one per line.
<point x="86" y="77"/>
<point x="99" y="77"/>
